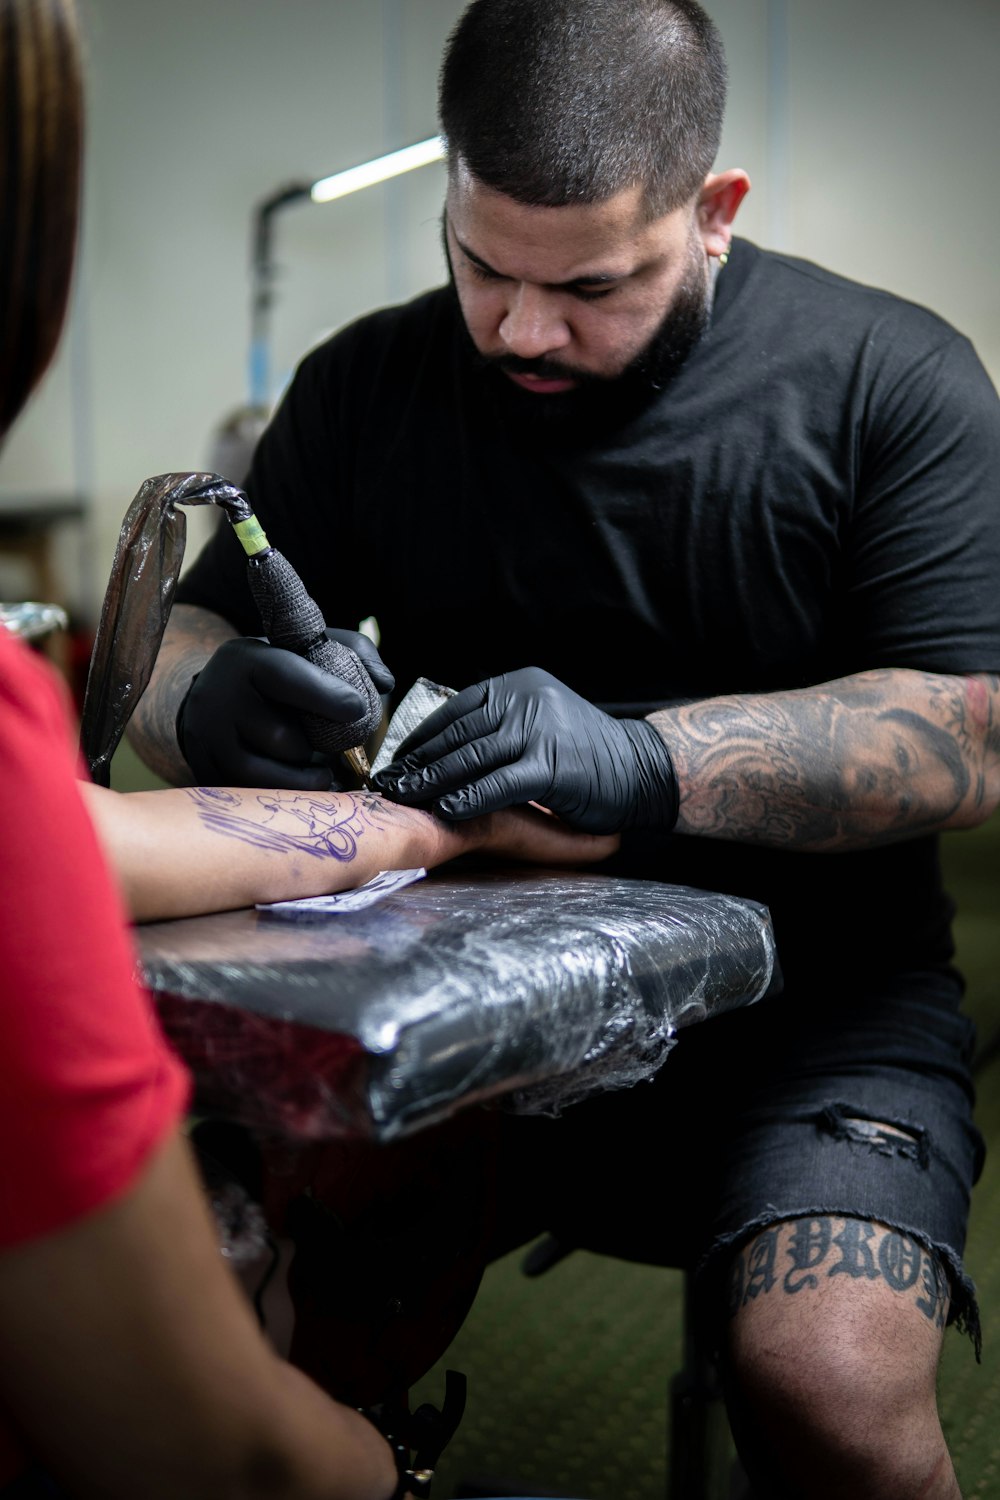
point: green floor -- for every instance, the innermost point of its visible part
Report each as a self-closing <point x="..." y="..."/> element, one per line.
<point x="568" y="1375"/>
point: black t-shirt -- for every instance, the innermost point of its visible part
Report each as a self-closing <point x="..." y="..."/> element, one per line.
<point x="813" y="494"/>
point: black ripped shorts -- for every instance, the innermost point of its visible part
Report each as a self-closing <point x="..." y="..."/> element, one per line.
<point x="767" y="1114"/>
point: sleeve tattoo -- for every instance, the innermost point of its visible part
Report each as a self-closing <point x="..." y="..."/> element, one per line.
<point x="864" y="760"/>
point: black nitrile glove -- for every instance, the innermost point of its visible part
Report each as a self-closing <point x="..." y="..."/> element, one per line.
<point x="239" y="724"/>
<point x="526" y="737"/>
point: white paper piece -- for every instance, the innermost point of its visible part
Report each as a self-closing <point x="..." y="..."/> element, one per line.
<point x="381" y="885"/>
<point x="422" y="699"/>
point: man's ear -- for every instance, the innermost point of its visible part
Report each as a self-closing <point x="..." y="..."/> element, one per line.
<point x="720" y="197"/>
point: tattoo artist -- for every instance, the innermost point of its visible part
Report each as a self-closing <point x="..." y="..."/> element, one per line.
<point x="720" y="533"/>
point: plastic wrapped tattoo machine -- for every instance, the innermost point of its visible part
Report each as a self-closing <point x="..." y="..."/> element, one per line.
<point x="137" y="605"/>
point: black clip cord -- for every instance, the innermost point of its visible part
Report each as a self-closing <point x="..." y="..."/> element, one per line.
<point x="425" y="1432"/>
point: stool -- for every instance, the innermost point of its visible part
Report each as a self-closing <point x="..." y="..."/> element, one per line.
<point x="701" y="1464"/>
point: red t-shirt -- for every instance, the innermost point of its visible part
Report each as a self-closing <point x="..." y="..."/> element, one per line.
<point x="88" y="1086"/>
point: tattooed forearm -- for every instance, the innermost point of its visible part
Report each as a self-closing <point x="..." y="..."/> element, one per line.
<point x="322" y="826"/>
<point x="864" y="760"/>
<point x="191" y="637"/>
<point x="179" y="852"/>
<point x="787" y="1259"/>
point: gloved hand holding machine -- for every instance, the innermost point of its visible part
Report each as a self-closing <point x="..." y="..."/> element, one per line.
<point x="137" y="605"/>
<point x="499" y="742"/>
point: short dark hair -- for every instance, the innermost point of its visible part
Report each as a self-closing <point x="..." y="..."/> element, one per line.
<point x="41" y="112"/>
<point x="572" y="101"/>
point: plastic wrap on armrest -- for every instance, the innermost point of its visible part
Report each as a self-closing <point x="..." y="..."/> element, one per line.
<point x="542" y="987"/>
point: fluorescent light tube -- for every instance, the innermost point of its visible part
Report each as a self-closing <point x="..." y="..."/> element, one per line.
<point x="383" y="167"/>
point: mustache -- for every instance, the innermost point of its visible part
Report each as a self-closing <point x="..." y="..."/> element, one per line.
<point x="544" y="367"/>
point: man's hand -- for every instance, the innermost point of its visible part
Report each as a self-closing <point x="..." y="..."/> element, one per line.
<point x="239" y="723"/>
<point x="526" y="737"/>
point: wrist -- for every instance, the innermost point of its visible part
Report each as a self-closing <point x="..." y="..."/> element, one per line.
<point x="464" y="836"/>
<point x="657" y="795"/>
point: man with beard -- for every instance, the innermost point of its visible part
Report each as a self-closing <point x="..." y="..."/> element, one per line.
<point x="741" y="514"/>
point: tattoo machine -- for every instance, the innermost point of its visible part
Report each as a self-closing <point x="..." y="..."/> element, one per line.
<point x="137" y="605"/>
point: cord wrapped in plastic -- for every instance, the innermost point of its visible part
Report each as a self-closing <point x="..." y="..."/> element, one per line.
<point x="542" y="987"/>
<point x="137" y="604"/>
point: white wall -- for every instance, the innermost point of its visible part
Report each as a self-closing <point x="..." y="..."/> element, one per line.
<point x="198" y="109"/>
<point x="869" y="129"/>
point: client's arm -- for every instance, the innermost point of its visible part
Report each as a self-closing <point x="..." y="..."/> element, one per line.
<point x="133" y="1365"/>
<point x="130" y="1361"/>
<point x="181" y="852"/>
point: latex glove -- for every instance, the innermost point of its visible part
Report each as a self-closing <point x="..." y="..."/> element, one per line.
<point x="526" y="737"/>
<point x="239" y="723"/>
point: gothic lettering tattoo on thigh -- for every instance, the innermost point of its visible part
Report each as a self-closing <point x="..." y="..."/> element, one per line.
<point x="797" y="1256"/>
<point x="294" y="822"/>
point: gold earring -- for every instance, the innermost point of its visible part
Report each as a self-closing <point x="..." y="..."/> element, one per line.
<point x="723" y="258"/>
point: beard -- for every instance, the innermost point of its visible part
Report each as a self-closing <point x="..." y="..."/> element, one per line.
<point x="599" y="402"/>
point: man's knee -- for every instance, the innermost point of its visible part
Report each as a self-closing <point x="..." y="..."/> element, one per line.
<point x="832" y="1354"/>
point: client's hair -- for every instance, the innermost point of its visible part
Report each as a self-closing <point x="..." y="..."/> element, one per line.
<point x="41" y="123"/>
